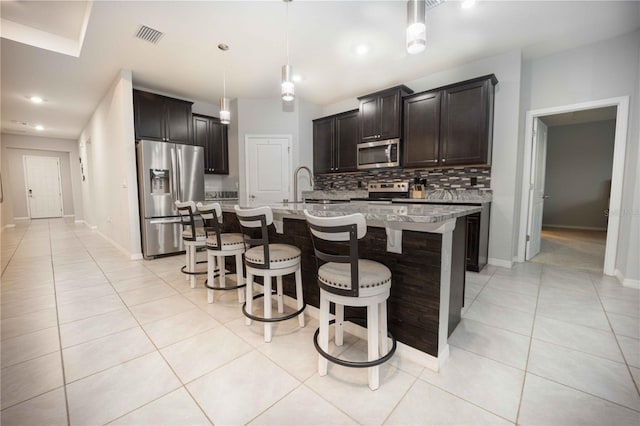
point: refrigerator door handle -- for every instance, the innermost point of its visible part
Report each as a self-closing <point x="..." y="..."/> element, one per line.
<point x="164" y="221"/>
<point x="174" y="171"/>
<point x="179" y="191"/>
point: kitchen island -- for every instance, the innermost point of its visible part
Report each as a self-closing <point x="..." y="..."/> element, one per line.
<point x="422" y="245"/>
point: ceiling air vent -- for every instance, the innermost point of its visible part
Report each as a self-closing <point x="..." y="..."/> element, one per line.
<point x="433" y="3"/>
<point x="149" y="34"/>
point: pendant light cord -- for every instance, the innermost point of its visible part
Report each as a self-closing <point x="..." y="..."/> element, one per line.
<point x="287" y="32"/>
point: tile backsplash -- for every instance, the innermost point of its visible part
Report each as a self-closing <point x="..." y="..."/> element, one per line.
<point x="449" y="178"/>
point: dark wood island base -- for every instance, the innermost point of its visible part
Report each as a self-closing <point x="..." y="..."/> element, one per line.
<point x="427" y="290"/>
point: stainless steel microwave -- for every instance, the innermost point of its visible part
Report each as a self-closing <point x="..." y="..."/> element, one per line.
<point x="374" y="155"/>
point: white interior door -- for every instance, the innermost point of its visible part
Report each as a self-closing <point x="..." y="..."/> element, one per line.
<point x="268" y="168"/>
<point x="536" y="188"/>
<point x="44" y="190"/>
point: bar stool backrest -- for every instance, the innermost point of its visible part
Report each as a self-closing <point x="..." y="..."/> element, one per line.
<point x="211" y="215"/>
<point x="258" y="217"/>
<point x="187" y="210"/>
<point x="337" y="230"/>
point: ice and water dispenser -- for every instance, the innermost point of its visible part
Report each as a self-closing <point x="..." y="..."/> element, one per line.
<point x="160" y="181"/>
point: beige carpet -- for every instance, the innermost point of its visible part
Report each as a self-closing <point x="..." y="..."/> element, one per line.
<point x="572" y="248"/>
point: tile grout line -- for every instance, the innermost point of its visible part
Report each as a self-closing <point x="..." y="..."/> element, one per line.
<point x="55" y="295"/>
<point x="415" y="380"/>
<point x="526" y="366"/>
<point x="615" y="336"/>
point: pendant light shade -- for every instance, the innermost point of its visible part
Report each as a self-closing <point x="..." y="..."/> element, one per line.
<point x="225" y="113"/>
<point x="287" y="88"/>
<point x="416" y="26"/>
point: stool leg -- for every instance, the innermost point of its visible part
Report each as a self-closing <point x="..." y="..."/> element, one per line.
<point x="221" y="265"/>
<point x="324" y="334"/>
<point x="382" y="318"/>
<point x="372" y="337"/>
<point x="239" y="277"/>
<point x="187" y="256"/>
<point x="339" y="324"/>
<point x="249" y="296"/>
<point x="299" y="295"/>
<point x="267" y="307"/>
<point x="192" y="268"/>
<point x="279" y="295"/>
<point x="211" y="268"/>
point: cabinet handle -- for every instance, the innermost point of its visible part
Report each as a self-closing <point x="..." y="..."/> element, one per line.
<point x="444" y="160"/>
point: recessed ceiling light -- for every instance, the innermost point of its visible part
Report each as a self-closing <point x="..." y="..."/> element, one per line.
<point x="466" y="4"/>
<point x="362" y="49"/>
<point x="297" y="78"/>
<point x="39" y="127"/>
<point x="36" y="99"/>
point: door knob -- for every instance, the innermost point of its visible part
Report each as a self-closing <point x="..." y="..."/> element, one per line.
<point x="252" y="196"/>
<point x="30" y="193"/>
<point x="545" y="197"/>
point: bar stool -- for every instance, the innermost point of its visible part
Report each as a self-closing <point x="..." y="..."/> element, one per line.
<point x="219" y="246"/>
<point x="267" y="261"/>
<point x="336" y="280"/>
<point x="192" y="237"/>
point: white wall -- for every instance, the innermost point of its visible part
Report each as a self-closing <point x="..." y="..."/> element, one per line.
<point x="270" y="117"/>
<point x="107" y="149"/>
<point x="14" y="147"/>
<point x="601" y="70"/>
<point x="578" y="175"/>
<point x="507" y="68"/>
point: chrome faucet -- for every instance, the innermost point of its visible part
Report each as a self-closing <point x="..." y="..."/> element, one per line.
<point x="295" y="181"/>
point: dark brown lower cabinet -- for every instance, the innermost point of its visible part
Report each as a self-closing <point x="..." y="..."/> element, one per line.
<point x="478" y="239"/>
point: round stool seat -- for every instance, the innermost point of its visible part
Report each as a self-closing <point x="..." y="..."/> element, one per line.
<point x="230" y="241"/>
<point x="280" y="255"/>
<point x="374" y="277"/>
<point x="200" y="234"/>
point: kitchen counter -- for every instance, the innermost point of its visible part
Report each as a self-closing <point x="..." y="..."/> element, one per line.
<point x="432" y="196"/>
<point x="423" y="245"/>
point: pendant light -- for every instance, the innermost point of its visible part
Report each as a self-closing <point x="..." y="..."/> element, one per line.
<point x="416" y="26"/>
<point x="225" y="114"/>
<point x="287" y="88"/>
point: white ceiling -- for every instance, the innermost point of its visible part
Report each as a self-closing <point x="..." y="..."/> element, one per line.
<point x="187" y="63"/>
<point x="62" y="18"/>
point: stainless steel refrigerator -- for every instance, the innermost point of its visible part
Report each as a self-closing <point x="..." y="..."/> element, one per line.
<point x="166" y="172"/>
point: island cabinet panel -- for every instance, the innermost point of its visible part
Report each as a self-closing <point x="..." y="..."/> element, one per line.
<point x="422" y="130"/>
<point x="414" y="303"/>
<point x="467" y="123"/>
<point x="161" y="118"/>
<point x="335" y="140"/>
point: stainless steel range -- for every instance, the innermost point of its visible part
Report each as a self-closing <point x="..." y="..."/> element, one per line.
<point x="384" y="192"/>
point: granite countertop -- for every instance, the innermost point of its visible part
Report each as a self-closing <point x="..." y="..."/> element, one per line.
<point x="415" y="213"/>
<point x="432" y="196"/>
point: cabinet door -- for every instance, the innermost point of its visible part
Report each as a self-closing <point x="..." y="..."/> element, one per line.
<point x="346" y="141"/>
<point x="201" y="136"/>
<point x="465" y="128"/>
<point x="389" y="115"/>
<point x="323" y="131"/>
<point x="148" y="116"/>
<point x="217" y="151"/>
<point x="178" y="121"/>
<point x="473" y="242"/>
<point x="369" y="119"/>
<point x="422" y="130"/>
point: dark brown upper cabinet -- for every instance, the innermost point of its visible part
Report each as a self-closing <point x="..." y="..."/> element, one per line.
<point x="451" y="125"/>
<point x="335" y="140"/>
<point x="161" y="118"/>
<point x="422" y="130"/>
<point x="467" y="122"/>
<point x="381" y="114"/>
<point x="209" y="133"/>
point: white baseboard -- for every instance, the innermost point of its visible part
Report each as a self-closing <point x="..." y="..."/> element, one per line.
<point x="500" y="262"/>
<point x="404" y="351"/>
<point x="69" y="215"/>
<point x="626" y="282"/>
<point x="9" y="225"/>
<point x="136" y="256"/>
<point x="584" y="228"/>
<point x="116" y="245"/>
<point x="22" y="218"/>
<point x="79" y="221"/>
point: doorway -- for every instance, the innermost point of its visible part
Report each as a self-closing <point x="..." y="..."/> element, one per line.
<point x="531" y="230"/>
<point x="43" y="186"/>
<point x="268" y="166"/>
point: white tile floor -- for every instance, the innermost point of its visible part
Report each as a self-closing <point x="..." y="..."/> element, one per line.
<point x="89" y="337"/>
